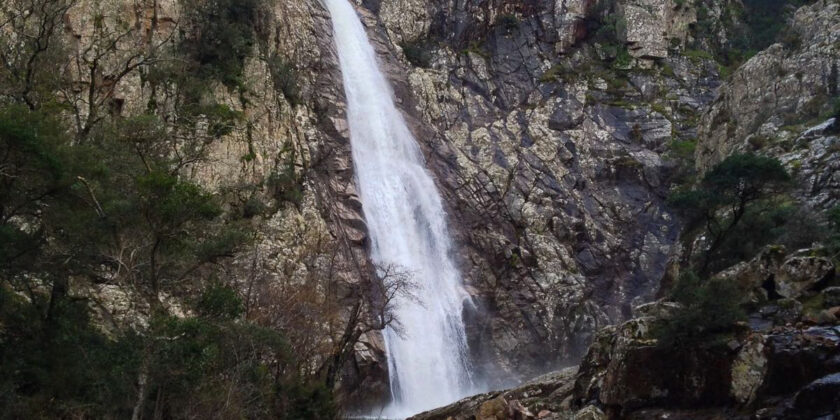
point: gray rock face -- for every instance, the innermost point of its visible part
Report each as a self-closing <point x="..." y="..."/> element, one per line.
<point x="555" y="188"/>
<point x="778" y="89"/>
<point x="559" y="23"/>
<point x="555" y="178"/>
<point x="652" y="26"/>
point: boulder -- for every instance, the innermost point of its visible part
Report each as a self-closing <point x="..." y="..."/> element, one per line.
<point x="625" y="369"/>
<point x="749" y="369"/>
<point x="796" y="357"/>
<point x="800" y="274"/>
<point x="772" y="274"/>
<point x="819" y="398"/>
<point x="590" y="412"/>
<point x="495" y="409"/>
<point x="545" y="395"/>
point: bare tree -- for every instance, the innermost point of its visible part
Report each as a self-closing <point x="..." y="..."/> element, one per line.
<point x="106" y="51"/>
<point x="29" y="33"/>
<point x="373" y="309"/>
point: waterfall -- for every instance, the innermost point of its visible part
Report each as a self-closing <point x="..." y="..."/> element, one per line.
<point x="427" y="357"/>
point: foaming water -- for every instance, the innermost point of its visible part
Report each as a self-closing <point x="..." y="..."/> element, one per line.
<point x="428" y="363"/>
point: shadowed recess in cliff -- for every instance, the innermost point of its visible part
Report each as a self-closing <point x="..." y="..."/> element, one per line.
<point x="427" y="352"/>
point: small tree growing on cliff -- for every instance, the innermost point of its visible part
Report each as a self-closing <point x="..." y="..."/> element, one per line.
<point x="373" y="300"/>
<point x="741" y="185"/>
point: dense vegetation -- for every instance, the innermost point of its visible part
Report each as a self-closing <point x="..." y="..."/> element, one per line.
<point x="744" y="193"/>
<point x="91" y="199"/>
<point x="739" y="207"/>
<point x="753" y="25"/>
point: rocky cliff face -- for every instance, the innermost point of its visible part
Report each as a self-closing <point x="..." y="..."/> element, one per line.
<point x="776" y="102"/>
<point x="552" y="163"/>
<point x="548" y="125"/>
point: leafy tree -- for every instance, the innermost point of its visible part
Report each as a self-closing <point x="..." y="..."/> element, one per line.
<point x="63" y="367"/>
<point x="92" y="197"/>
<point x="741" y="185"/>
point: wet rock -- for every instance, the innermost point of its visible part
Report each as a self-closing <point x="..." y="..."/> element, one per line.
<point x="819" y="398"/>
<point x="795" y="358"/>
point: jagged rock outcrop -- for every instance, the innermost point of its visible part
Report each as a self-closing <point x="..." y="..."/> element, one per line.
<point x="555" y="178"/>
<point x="773" y="274"/>
<point x="767" y="100"/>
<point x="785" y="371"/>
<point x="654" y="26"/>
<point x="537" y="398"/>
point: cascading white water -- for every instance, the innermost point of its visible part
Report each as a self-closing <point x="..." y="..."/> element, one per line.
<point x="407" y="225"/>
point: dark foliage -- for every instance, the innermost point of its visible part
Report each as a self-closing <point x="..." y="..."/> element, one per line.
<point x="418" y="52"/>
<point x="508" y="23"/>
<point x="285" y="79"/>
<point x="224" y="36"/>
<point x="745" y="191"/>
<point x="711" y="311"/>
<point x="607" y="28"/>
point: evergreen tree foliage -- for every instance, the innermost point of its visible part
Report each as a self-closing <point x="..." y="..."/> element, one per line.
<point x="742" y="190"/>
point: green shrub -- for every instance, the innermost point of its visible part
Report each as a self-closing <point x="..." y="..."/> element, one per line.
<point x="285" y="79"/>
<point x="220" y="301"/>
<point x="766" y="23"/>
<point x="221" y="119"/>
<point x="253" y="206"/>
<point x="222" y="35"/>
<point x="623" y="59"/>
<point x="710" y="311"/>
<point x="418" y="52"/>
<point x="682" y="149"/>
<point x="508" y="22"/>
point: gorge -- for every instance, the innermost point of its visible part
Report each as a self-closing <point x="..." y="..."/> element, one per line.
<point x="434" y="209"/>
